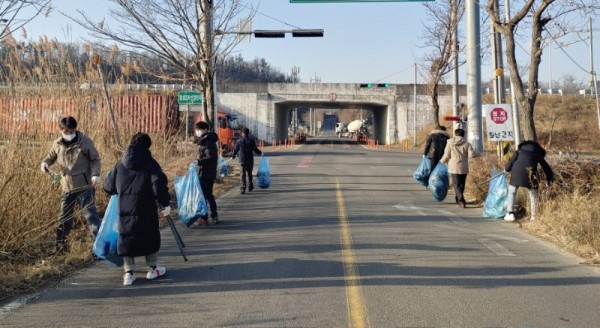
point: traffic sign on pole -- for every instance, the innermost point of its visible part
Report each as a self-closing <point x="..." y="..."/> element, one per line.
<point x="499" y="124"/>
<point x="189" y="98"/>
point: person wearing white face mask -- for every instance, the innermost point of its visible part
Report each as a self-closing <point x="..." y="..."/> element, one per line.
<point x="208" y="156"/>
<point x="78" y="166"/>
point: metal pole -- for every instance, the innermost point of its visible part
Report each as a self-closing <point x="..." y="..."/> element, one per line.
<point x="594" y="81"/>
<point x="455" y="90"/>
<point x="498" y="66"/>
<point x="475" y="134"/>
<point x="187" y="122"/>
<point x="513" y="97"/>
<point x="415" y="109"/>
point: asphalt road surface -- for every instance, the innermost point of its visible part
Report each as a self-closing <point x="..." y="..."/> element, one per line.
<point x="344" y="237"/>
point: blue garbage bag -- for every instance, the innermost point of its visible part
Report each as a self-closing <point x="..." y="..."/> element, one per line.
<point x="439" y="182"/>
<point x="191" y="204"/>
<point x="105" y="245"/>
<point x="222" y="166"/>
<point x="495" y="202"/>
<point x="263" y="175"/>
<point x="422" y="172"/>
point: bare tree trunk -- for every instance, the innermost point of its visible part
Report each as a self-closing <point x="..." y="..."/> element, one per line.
<point x="525" y="111"/>
<point x="435" y="105"/>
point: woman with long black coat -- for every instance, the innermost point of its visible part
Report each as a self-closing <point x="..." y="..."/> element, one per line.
<point x="523" y="168"/>
<point x="140" y="184"/>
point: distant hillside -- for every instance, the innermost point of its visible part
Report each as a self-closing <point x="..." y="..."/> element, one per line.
<point x="55" y="62"/>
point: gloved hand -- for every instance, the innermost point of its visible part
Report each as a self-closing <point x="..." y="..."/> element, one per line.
<point x="95" y="180"/>
<point x="232" y="156"/>
<point x="44" y="167"/>
<point x="165" y="211"/>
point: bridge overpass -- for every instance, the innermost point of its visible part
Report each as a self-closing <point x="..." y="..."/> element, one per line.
<point x="264" y="107"/>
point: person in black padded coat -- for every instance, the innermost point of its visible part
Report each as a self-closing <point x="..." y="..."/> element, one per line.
<point x="140" y="184"/>
<point x="523" y="168"/>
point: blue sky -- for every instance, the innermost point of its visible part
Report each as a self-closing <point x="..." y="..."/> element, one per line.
<point x="363" y="42"/>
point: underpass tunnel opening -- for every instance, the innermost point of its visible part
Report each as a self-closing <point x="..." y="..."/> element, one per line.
<point x="292" y="117"/>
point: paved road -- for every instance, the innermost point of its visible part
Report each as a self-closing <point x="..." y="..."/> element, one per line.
<point x="344" y="237"/>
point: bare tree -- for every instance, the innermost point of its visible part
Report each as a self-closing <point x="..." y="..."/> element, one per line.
<point x="14" y="14"/>
<point x="179" y="32"/>
<point x="445" y="15"/>
<point x="546" y="21"/>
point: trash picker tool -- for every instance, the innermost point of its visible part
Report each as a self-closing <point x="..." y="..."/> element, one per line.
<point x="178" y="240"/>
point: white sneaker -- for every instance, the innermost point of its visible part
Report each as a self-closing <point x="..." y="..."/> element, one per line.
<point x="156" y="272"/>
<point x="532" y="218"/>
<point x="510" y="217"/>
<point x="128" y="279"/>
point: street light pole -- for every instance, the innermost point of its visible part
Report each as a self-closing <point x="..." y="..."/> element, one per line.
<point x="474" y="76"/>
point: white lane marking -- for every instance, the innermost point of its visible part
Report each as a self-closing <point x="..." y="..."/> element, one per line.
<point x="19" y="302"/>
<point x="455" y="218"/>
<point x="501" y="237"/>
<point x="407" y="207"/>
<point x="455" y="227"/>
<point x="496" y="247"/>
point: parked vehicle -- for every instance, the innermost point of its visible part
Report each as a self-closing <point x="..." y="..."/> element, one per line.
<point x="229" y="129"/>
<point x="356" y="128"/>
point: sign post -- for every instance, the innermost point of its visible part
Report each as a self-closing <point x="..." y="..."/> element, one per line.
<point x="499" y="122"/>
<point x="188" y="98"/>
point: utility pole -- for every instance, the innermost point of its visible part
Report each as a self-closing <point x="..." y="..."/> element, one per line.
<point x="475" y="129"/>
<point x="455" y="90"/>
<point x="207" y="64"/>
<point x="593" y="73"/>
<point x="415" y="110"/>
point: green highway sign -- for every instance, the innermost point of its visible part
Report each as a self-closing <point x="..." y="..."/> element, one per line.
<point x="189" y="98"/>
<point x="329" y="1"/>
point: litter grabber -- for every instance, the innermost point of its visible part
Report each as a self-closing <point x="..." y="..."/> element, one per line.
<point x="178" y="240"/>
<point x="55" y="177"/>
<point x="494" y="176"/>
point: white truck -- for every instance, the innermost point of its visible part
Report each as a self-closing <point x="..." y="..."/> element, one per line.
<point x="354" y="128"/>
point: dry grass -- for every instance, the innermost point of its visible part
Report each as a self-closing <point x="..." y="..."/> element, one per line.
<point x="30" y="205"/>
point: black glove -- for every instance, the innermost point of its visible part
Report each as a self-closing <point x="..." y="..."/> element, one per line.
<point x="232" y="156"/>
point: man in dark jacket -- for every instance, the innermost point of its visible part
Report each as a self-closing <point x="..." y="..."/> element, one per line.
<point x="140" y="183"/>
<point x="523" y="166"/>
<point x="208" y="157"/>
<point x="246" y="147"/>
<point x="436" y="144"/>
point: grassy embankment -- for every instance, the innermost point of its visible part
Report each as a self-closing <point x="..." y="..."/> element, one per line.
<point x="29" y="202"/>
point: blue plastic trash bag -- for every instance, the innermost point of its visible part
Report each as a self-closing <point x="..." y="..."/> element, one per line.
<point x="105" y="245"/>
<point x="439" y="182"/>
<point x="263" y="175"/>
<point x="191" y="204"/>
<point x="223" y="171"/>
<point x="423" y="171"/>
<point x="495" y="202"/>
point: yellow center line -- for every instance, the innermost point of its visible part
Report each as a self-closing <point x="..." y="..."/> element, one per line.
<point x="357" y="312"/>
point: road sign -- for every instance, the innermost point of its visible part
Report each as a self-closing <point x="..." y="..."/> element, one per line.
<point x="498" y="115"/>
<point x="189" y="98"/>
<point x="499" y="123"/>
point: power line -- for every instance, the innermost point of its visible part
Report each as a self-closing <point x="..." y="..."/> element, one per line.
<point x="271" y="17"/>
<point x="397" y="72"/>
